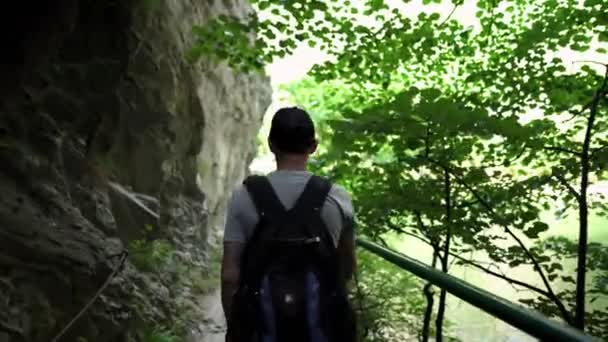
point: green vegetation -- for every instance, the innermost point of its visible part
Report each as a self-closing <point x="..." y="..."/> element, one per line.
<point x="150" y="255"/>
<point x="159" y="335"/>
<point x="182" y="278"/>
<point x="463" y="136"/>
<point x="394" y="315"/>
<point x="151" y="5"/>
<point x="207" y="280"/>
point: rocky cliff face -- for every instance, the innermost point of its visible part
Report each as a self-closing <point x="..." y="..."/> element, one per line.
<point x="104" y="127"/>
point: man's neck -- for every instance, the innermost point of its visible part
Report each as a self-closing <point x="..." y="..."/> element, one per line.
<point x="291" y="165"/>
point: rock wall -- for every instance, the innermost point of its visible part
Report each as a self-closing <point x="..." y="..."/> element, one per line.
<point x="100" y="114"/>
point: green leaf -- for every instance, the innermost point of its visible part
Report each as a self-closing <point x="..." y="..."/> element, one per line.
<point x="568" y="279"/>
<point x="302" y="36"/>
<point x="431" y="94"/>
<point x="556" y="266"/>
<point x="536" y="229"/>
<point x="262" y="5"/>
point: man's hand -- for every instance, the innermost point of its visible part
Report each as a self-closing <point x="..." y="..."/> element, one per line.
<point x="231" y="272"/>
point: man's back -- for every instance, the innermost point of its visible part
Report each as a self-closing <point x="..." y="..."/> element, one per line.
<point x="242" y="216"/>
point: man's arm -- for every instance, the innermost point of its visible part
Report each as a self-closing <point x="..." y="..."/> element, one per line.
<point x="231" y="272"/>
<point x="346" y="230"/>
<point x="238" y="221"/>
<point x="346" y="250"/>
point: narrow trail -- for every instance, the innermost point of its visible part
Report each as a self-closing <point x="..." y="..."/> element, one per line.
<point x="213" y="327"/>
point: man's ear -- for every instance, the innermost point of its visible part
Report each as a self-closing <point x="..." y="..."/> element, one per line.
<point x="313" y="147"/>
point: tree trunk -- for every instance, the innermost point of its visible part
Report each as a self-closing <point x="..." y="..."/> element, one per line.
<point x="444" y="260"/>
<point x="428" y="293"/>
<point x="581" y="267"/>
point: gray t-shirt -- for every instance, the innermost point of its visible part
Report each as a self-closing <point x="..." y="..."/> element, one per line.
<point x="242" y="216"/>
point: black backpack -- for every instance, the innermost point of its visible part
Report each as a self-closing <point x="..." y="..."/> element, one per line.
<point x="291" y="287"/>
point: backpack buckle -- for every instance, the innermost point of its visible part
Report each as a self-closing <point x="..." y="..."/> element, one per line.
<point x="299" y="241"/>
<point x="316" y="239"/>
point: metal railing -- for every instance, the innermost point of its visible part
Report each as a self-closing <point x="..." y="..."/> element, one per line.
<point x="516" y="315"/>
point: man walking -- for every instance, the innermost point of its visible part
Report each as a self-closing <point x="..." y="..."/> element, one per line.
<point x="289" y="247"/>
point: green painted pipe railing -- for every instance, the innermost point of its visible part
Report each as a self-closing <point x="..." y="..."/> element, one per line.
<point x="522" y="318"/>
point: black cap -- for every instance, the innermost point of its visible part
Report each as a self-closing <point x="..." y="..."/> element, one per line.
<point x="292" y="130"/>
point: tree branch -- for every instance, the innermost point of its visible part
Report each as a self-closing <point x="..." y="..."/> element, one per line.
<point x="466" y="204"/>
<point x="449" y="15"/>
<point x="498" y="220"/>
<point x="581" y="111"/>
<point x="521" y="153"/>
<point x="502" y="276"/>
<point x="428" y="293"/>
<point x="427" y="146"/>
<point x="561" y="149"/>
<point x="491" y="26"/>
<point x="446" y="252"/>
<point x="433" y="241"/>
<point x="598" y="150"/>
<point x="590" y="103"/>
<point x="565" y="183"/>
<point x="592" y="62"/>
<point x="508" y="161"/>
<point x="11" y="330"/>
<point x="486" y="269"/>
<point x="429" y="242"/>
<point x="382" y="241"/>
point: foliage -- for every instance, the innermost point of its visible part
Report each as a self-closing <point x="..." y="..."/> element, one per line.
<point x="207" y="280"/>
<point x="157" y="334"/>
<point x="185" y="279"/>
<point x="562" y="251"/>
<point x="413" y="100"/>
<point x="186" y="282"/>
<point x="150" y="255"/>
<point x="150" y="5"/>
<point x="384" y="314"/>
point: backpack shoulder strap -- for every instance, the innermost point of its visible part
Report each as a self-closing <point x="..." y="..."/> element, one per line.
<point x="312" y="197"/>
<point x="263" y="195"/>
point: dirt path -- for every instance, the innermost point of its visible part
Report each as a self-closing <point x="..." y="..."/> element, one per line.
<point x="213" y="327"/>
